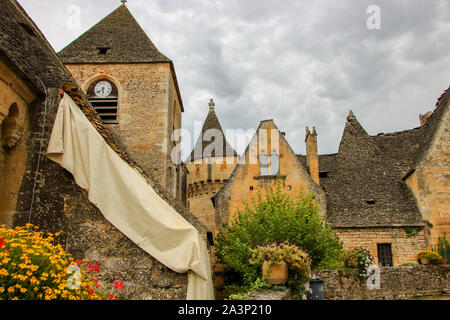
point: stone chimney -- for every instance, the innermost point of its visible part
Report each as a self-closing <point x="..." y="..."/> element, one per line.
<point x="423" y="118"/>
<point x="312" y="156"/>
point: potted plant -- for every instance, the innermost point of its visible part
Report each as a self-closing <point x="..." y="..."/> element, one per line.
<point x="277" y="257"/>
<point x="428" y="257"/>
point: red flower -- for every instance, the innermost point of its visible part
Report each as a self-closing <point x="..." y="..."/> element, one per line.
<point x="430" y="265"/>
<point x="112" y="297"/>
<point x="93" y="267"/>
<point x="118" y="285"/>
<point x="2" y="244"/>
<point x="96" y="283"/>
<point x="79" y="262"/>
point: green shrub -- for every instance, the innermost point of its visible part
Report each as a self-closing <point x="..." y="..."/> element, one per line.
<point x="277" y="217"/>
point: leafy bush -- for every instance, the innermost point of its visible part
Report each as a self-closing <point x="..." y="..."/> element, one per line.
<point x="277" y="217"/>
<point x="32" y="267"/>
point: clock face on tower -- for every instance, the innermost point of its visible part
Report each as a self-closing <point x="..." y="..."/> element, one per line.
<point x="103" y="89"/>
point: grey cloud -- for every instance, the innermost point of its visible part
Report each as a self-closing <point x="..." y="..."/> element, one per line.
<point x="302" y="63"/>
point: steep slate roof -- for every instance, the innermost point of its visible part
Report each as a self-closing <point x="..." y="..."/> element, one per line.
<point x="24" y="46"/>
<point x="364" y="186"/>
<point x="119" y="32"/>
<point x="27" y="51"/>
<point x="211" y="122"/>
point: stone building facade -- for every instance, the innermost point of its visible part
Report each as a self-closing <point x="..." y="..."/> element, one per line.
<point x="38" y="190"/>
<point x="149" y="107"/>
<point x="248" y="177"/>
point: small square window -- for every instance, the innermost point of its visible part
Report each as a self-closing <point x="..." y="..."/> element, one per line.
<point x="102" y="50"/>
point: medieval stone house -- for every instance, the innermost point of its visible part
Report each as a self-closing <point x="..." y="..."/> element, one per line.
<point x="35" y="189"/>
<point x="388" y="193"/>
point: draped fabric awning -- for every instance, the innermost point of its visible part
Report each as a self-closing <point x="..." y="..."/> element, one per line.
<point x="127" y="201"/>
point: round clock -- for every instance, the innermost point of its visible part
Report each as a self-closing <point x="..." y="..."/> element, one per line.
<point x="103" y="89"/>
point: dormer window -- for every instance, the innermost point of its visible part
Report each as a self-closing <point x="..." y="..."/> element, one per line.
<point x="103" y="95"/>
<point x="102" y="50"/>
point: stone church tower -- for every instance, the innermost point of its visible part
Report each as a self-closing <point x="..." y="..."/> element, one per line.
<point x="134" y="89"/>
<point x="209" y="169"/>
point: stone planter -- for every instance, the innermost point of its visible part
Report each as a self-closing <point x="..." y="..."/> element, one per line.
<point x="278" y="273"/>
<point x="424" y="261"/>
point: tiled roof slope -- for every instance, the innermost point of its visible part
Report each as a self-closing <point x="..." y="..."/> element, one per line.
<point x="364" y="186"/>
<point x="27" y="50"/>
<point x="119" y="32"/>
<point x="211" y="122"/>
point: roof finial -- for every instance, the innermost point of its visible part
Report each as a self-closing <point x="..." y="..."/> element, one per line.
<point x="123" y="1"/>
<point x="211" y="104"/>
<point x="351" y="116"/>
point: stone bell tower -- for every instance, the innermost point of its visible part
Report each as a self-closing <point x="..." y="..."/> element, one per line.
<point x="134" y="88"/>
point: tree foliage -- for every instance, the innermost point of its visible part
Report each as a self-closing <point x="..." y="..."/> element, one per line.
<point x="277" y="217"/>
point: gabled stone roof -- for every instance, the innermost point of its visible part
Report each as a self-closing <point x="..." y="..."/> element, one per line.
<point x="211" y="122"/>
<point x="365" y="180"/>
<point x="121" y="34"/>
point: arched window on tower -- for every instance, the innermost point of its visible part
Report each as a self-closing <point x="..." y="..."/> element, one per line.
<point x="103" y="95"/>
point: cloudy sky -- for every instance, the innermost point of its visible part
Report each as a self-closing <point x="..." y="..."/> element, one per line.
<point x="301" y="63"/>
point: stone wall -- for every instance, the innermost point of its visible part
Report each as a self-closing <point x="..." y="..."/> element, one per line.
<point x="15" y="98"/>
<point x="404" y="246"/>
<point x="204" y="181"/>
<point x="396" y="283"/>
<point x="57" y="204"/>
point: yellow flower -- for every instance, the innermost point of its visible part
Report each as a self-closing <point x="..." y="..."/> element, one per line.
<point x="23" y="290"/>
<point x="11" y="290"/>
<point x="2" y="289"/>
<point x="3" y="272"/>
